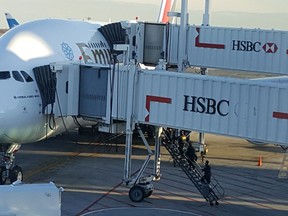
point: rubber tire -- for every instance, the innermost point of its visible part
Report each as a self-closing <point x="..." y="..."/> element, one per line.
<point x="148" y="194"/>
<point x="16" y="174"/>
<point x="136" y="194"/>
<point x="2" y="180"/>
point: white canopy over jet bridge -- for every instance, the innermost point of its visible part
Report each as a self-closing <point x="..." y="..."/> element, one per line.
<point x="130" y="93"/>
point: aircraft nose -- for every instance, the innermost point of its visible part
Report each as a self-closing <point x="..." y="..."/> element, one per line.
<point x="11" y="112"/>
<point x="7" y="103"/>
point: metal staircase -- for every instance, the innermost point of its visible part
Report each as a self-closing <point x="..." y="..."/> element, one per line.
<point x="211" y="192"/>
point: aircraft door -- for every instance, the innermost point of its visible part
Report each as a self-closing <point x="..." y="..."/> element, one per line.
<point x="93" y="91"/>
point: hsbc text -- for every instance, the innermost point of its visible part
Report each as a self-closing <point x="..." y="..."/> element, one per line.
<point x="205" y="105"/>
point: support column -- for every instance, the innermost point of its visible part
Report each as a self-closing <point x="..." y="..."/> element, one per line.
<point x="283" y="172"/>
<point x="204" y="71"/>
<point x="182" y="36"/>
<point x="205" y="22"/>
<point x="129" y="122"/>
<point x="206" y="15"/>
<point x="202" y="138"/>
<point x="157" y="160"/>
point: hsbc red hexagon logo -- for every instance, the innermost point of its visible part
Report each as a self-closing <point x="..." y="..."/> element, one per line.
<point x="270" y="47"/>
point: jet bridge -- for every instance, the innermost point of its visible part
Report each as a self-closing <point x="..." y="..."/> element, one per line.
<point x="257" y="50"/>
<point x="135" y="93"/>
<point x="247" y="109"/>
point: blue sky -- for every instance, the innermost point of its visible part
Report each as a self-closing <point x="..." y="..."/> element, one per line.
<point x="264" y="14"/>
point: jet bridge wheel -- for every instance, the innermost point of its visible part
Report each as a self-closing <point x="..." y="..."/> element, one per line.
<point x="216" y="203"/>
<point x="148" y="189"/>
<point x="148" y="194"/>
<point x="16" y="174"/>
<point x="2" y="175"/>
<point x="136" y="193"/>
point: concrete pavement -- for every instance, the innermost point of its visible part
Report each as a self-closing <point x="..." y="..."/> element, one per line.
<point x="91" y="173"/>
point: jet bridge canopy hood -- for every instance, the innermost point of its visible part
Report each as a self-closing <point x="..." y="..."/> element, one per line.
<point x="114" y="34"/>
<point x="46" y="81"/>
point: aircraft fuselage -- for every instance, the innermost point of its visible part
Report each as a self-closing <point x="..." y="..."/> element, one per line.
<point x="34" y="44"/>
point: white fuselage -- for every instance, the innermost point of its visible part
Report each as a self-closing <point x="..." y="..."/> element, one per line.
<point x="34" y="44"/>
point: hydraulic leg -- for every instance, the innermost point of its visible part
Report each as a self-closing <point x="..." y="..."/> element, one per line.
<point x="141" y="186"/>
<point x="157" y="153"/>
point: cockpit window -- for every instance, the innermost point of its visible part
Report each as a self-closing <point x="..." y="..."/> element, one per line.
<point x="26" y="76"/>
<point x="4" y="75"/>
<point x="17" y="76"/>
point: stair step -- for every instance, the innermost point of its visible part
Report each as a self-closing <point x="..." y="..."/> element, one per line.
<point x="195" y="175"/>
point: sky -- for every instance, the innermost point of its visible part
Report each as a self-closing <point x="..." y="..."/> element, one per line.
<point x="265" y="14"/>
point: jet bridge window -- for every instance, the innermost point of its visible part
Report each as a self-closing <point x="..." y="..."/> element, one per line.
<point x="26" y="76"/>
<point x="4" y="75"/>
<point x="17" y="76"/>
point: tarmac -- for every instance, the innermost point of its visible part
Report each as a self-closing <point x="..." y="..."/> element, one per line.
<point x="91" y="171"/>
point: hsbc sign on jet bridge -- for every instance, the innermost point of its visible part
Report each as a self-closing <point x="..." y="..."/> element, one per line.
<point x="237" y="49"/>
<point x="249" y="46"/>
<point x="227" y="106"/>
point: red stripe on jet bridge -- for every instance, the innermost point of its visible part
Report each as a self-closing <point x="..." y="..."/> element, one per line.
<point x="206" y="45"/>
<point x="150" y="98"/>
<point x="280" y="115"/>
<point x="165" y="18"/>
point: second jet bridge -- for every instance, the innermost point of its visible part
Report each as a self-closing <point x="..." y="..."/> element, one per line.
<point x="257" y="50"/>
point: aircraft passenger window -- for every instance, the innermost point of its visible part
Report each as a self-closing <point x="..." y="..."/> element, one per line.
<point x="26" y="76"/>
<point x="17" y="76"/>
<point x="4" y="75"/>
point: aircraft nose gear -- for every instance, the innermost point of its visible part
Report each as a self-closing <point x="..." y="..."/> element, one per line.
<point x="16" y="174"/>
<point x="3" y="173"/>
<point x="8" y="169"/>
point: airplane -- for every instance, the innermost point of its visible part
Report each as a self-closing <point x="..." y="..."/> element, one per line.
<point x="24" y="115"/>
<point x="166" y="6"/>
<point x="11" y="21"/>
<point x="22" y="119"/>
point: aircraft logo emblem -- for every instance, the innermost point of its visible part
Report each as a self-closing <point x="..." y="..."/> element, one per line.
<point x="68" y="52"/>
<point x="270" y="48"/>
